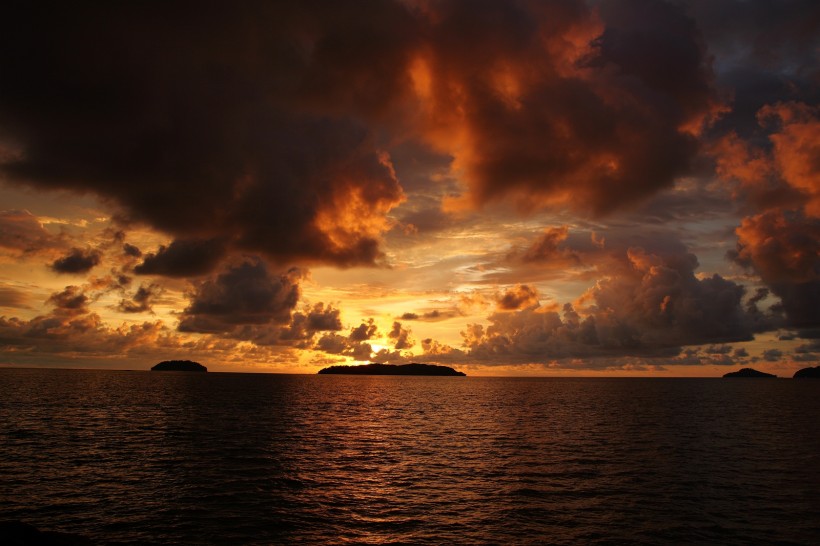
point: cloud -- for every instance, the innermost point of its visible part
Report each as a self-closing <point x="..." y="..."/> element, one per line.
<point x="20" y="230"/>
<point x="772" y="355"/>
<point x="252" y="124"/>
<point x="812" y="347"/>
<point x="517" y="297"/>
<point x="182" y="258"/>
<point x="71" y="301"/>
<point x="77" y="261"/>
<point x="431" y="316"/>
<point x="718" y="349"/>
<point x="401" y="336"/>
<point x="764" y="51"/>
<point x="364" y="331"/>
<point x="59" y="338"/>
<point x="304" y="325"/>
<point x="244" y="293"/>
<point x="271" y="126"/>
<point x="71" y="329"/>
<point x="142" y="299"/>
<point x="354" y="345"/>
<point x="13" y="298"/>
<point x="795" y="148"/>
<point x="340" y="345"/>
<point x="548" y="104"/>
<point x="548" y="248"/>
<point x="782" y="181"/>
<point x="245" y="301"/>
<point x="649" y="304"/>
<point x="131" y="250"/>
<point x="740" y="352"/>
<point x="783" y="246"/>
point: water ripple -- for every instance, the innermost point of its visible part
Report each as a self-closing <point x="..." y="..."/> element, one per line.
<point x="146" y="458"/>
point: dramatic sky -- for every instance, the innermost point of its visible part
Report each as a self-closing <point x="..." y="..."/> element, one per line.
<point x="508" y="187"/>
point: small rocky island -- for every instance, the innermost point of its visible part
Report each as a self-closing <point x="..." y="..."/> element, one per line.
<point x="749" y="372"/>
<point x="392" y="369"/>
<point x="179" y="366"/>
<point x="807" y="373"/>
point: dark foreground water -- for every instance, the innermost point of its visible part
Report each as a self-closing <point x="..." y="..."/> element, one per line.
<point x="176" y="458"/>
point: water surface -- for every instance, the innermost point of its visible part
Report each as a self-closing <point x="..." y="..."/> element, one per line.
<point x="182" y="458"/>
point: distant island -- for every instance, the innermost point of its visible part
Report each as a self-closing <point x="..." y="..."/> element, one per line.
<point x="179" y="366"/>
<point x="749" y="372"/>
<point x="392" y="369"/>
<point x="807" y="373"/>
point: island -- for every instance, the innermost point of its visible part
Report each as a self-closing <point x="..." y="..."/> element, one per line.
<point x="807" y="373"/>
<point x="179" y="366"/>
<point x="392" y="369"/>
<point x="749" y="372"/>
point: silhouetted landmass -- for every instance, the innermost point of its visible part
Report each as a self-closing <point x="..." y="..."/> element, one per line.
<point x="392" y="369"/>
<point x="17" y="533"/>
<point x="748" y="372"/>
<point x="179" y="366"/>
<point x="808" y="373"/>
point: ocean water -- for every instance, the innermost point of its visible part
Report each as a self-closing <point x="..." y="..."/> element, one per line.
<point x="176" y="458"/>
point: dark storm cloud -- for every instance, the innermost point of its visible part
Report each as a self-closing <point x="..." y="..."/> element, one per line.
<point x="262" y="123"/>
<point x="245" y="293"/>
<point x="183" y="258"/>
<point x="77" y="261"/>
<point x="245" y="122"/>
<point x="245" y="301"/>
<point x="766" y="51"/>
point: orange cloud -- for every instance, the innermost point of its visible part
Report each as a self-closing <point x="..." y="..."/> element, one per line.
<point x="782" y="242"/>
<point x="796" y="148"/>
<point x="517" y="297"/>
<point x="548" y="104"/>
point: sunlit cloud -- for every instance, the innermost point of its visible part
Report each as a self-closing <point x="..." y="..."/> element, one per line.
<point x="519" y="187"/>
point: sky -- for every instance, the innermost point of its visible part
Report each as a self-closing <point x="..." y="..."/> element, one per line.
<point x="514" y="187"/>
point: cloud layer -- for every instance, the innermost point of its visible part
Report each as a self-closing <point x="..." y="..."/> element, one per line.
<point x="269" y="127"/>
<point x="234" y="147"/>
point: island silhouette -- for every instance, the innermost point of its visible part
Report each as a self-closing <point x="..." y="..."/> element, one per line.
<point x="808" y="373"/>
<point x="749" y="372"/>
<point x="179" y="366"/>
<point x="392" y="369"/>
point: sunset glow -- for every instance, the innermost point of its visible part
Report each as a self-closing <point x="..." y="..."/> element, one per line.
<point x="508" y="188"/>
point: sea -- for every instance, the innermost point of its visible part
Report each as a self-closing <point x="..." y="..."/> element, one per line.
<point x="140" y="458"/>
